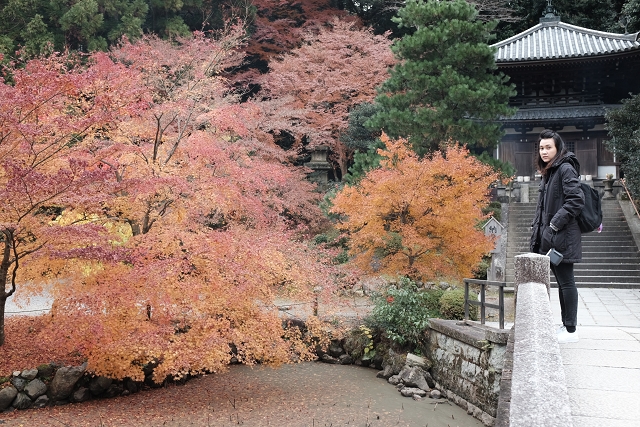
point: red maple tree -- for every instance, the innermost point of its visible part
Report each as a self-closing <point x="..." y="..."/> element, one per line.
<point x="48" y="110"/>
<point x="207" y="223"/>
<point x="336" y="68"/>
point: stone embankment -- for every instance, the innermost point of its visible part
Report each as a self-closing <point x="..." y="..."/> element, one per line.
<point x="50" y="385"/>
<point x="464" y="365"/>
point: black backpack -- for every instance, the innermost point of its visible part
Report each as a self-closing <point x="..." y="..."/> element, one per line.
<point x="591" y="216"/>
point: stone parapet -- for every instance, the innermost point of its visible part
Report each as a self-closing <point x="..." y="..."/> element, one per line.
<point x="467" y="361"/>
<point x="538" y="392"/>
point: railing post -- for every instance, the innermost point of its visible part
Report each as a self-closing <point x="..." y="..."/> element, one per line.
<point x="466" y="300"/>
<point x="501" y="305"/>
<point x="482" y="302"/>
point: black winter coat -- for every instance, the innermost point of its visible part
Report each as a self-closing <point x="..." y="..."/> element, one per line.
<point x="560" y="201"/>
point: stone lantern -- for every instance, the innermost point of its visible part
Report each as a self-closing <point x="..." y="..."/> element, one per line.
<point x="319" y="165"/>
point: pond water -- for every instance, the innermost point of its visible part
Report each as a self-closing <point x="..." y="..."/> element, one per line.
<point x="307" y="394"/>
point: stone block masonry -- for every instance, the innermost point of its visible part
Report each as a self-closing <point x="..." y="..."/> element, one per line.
<point x="467" y="360"/>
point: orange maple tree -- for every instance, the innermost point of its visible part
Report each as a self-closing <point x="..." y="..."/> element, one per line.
<point x="337" y="67"/>
<point x="418" y="216"/>
<point x="208" y="221"/>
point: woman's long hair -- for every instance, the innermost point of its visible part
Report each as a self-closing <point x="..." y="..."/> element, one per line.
<point x="561" y="150"/>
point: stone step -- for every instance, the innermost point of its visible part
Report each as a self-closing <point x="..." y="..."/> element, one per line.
<point x="600" y="259"/>
<point x="590" y="247"/>
<point x="530" y="213"/>
<point x="606" y="248"/>
<point x="597" y="264"/>
<point x="521" y="216"/>
<point x="606" y="273"/>
<point x="609" y="285"/>
<point x="599" y="268"/>
<point x="586" y="237"/>
<point x="531" y="206"/>
<point x="609" y="235"/>
<point x="596" y="283"/>
<point x="605" y="279"/>
<point x="619" y="241"/>
<point x="606" y="205"/>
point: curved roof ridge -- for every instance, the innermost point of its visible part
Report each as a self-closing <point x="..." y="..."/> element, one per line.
<point x="556" y="39"/>
<point x="604" y="34"/>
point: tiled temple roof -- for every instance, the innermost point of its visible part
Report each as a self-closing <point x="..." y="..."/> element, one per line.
<point x="553" y="39"/>
<point x="578" y="111"/>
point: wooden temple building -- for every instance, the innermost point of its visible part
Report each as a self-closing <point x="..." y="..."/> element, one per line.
<point x="566" y="78"/>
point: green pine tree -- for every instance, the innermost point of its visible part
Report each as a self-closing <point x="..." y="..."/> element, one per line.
<point x="631" y="16"/>
<point x="623" y="125"/>
<point x="445" y="85"/>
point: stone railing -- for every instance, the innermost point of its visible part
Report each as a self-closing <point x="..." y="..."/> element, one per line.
<point x="533" y="387"/>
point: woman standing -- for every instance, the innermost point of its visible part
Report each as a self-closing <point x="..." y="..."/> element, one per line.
<point x="560" y="201"/>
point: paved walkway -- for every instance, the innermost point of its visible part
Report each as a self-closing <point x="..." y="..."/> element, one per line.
<point x="603" y="368"/>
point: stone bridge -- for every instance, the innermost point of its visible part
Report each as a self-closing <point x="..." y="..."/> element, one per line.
<point x="595" y="382"/>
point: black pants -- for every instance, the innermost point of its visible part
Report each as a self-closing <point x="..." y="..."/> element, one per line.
<point x="568" y="294"/>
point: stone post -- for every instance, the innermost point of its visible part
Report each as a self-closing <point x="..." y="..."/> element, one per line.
<point x="531" y="268"/>
<point x="524" y="193"/>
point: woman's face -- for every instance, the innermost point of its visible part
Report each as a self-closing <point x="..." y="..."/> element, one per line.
<point x="548" y="149"/>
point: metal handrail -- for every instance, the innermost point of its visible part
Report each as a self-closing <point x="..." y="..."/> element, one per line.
<point x="629" y="195"/>
<point x="482" y="303"/>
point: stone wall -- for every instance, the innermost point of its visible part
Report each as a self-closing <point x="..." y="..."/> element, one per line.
<point x="467" y="361"/>
<point x="51" y="385"/>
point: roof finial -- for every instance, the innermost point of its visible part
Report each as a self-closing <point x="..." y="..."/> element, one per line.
<point x="549" y="14"/>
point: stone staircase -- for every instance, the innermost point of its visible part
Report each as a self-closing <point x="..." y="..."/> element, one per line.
<point x="609" y="259"/>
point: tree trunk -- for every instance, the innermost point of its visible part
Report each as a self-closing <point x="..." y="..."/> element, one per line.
<point x="5" y="263"/>
<point x="3" y="302"/>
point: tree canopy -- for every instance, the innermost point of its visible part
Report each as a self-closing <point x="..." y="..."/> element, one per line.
<point x="417" y="216"/>
<point x="337" y="68"/>
<point x="445" y="85"/>
<point x="623" y="125"/>
<point x="162" y="218"/>
<point x="602" y="15"/>
<point x="630" y="16"/>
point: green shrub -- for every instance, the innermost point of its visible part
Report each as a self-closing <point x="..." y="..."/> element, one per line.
<point x="432" y="301"/>
<point x="341" y="258"/>
<point x="452" y="305"/>
<point x="494" y="209"/>
<point x="334" y="239"/>
<point x="480" y="272"/>
<point x="359" y="343"/>
<point x="402" y="312"/>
